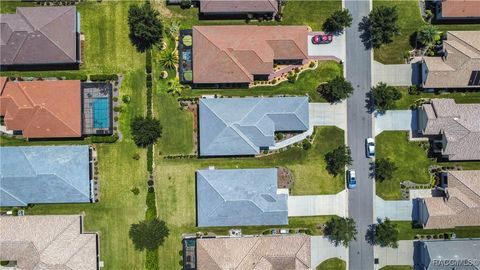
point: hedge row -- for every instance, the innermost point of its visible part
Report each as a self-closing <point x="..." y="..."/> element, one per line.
<point x="148" y="63"/>
<point x="105" y="139"/>
<point x="148" y="70"/>
<point x="180" y="156"/>
<point x="104" y="77"/>
<point x="150" y="158"/>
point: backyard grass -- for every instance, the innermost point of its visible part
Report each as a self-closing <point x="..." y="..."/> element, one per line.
<point x="411" y="160"/>
<point x="410" y="21"/>
<point x="311" y="13"/>
<point x="407" y="232"/>
<point x="332" y="264"/>
<point x="460" y="97"/>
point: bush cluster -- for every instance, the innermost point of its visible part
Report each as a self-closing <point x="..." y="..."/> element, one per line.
<point x="105" y="139"/>
<point x="103" y="77"/>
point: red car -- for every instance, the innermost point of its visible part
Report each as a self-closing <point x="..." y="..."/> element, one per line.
<point x="322" y="39"/>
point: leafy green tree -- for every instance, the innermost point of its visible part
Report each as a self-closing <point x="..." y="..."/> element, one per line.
<point x="145" y="131"/>
<point x="338" y="21"/>
<point x="169" y="58"/>
<point x="384" y="96"/>
<point x="337" y="159"/>
<point x="341" y="230"/>
<point x="383" y="25"/>
<point x="386" y="234"/>
<point x="145" y="26"/>
<point x="148" y="234"/>
<point x="426" y="34"/>
<point x="336" y="89"/>
<point x="384" y="169"/>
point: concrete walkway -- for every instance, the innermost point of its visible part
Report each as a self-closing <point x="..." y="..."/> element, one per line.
<point x="318" y="205"/>
<point x="322" y="249"/>
<point x="396" y="75"/>
<point x="335" y="50"/>
<point x="326" y="114"/>
<point x="396" y="120"/>
<point x="403" y="255"/>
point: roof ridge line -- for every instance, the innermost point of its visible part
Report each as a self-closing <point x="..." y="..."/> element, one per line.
<point x="245" y="138"/>
<point x="208" y="182"/>
<point x="56" y="236"/>
<point x="248" y="252"/>
<point x="88" y="195"/>
<point x="75" y="253"/>
<point x="54" y="43"/>
<point x="56" y="117"/>
<point x="298" y="251"/>
<point x="260" y="100"/>
<point x="15" y="197"/>
<point x="19" y="47"/>
<point x="464" y="43"/>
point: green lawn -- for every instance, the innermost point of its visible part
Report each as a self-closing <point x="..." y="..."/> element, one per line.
<point x="407" y="232"/>
<point x="312" y="13"/>
<point x="397" y="267"/>
<point x="460" y="97"/>
<point x="332" y="264"/>
<point x="411" y="160"/>
<point x="410" y="21"/>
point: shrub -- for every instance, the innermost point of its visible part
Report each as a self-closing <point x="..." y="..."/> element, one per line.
<point x="115" y="99"/>
<point x="115" y="118"/>
<point x="311" y="65"/>
<point x="104" y="139"/>
<point x="150" y="182"/>
<point x="413" y="90"/>
<point x="279" y="136"/>
<point x="274" y="81"/>
<point x="104" y="77"/>
<point x="126" y="99"/>
<point x="151" y="189"/>
<point x="118" y="109"/>
<point x="148" y="61"/>
<point x="135" y="190"/>
<point x="292" y="78"/>
<point x="81" y="77"/>
<point x="185" y="4"/>
<point x="149" y="84"/>
<point x="136" y="156"/>
<point x="306" y="144"/>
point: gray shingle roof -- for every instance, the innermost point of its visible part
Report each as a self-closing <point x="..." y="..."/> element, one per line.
<point x="241" y="126"/>
<point x="240" y="198"/>
<point x="435" y="253"/>
<point x="44" y="174"/>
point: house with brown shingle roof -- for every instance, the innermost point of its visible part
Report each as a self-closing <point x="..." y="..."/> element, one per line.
<point x="261" y="252"/>
<point x="459" y="67"/>
<point x="454" y="128"/>
<point x="56" y="30"/>
<point x="457" y="9"/>
<point x="459" y="205"/>
<point x="238" y="8"/>
<point x="47" y="242"/>
<point x="42" y="109"/>
<point x="237" y="55"/>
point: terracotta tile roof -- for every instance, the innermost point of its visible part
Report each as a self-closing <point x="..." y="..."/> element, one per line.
<point x="459" y="125"/>
<point x="455" y="70"/>
<point x="462" y="205"/>
<point x="42" y="109"/>
<point x="290" y="252"/>
<point x="47" y="242"/>
<point x="233" y="54"/>
<point x="460" y="8"/>
<point x="238" y="6"/>
<point x="51" y="28"/>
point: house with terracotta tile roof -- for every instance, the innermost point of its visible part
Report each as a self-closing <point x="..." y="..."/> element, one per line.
<point x="238" y="8"/>
<point x="55" y="108"/>
<point x="457" y="9"/>
<point x="454" y="128"/>
<point x="238" y="55"/>
<point x="56" y="30"/>
<point x="459" y="204"/>
<point x="47" y="242"/>
<point x="254" y="252"/>
<point x="459" y="65"/>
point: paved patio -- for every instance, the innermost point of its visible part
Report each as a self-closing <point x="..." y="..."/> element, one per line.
<point x="322" y="250"/>
<point x="336" y="49"/>
<point x="318" y="205"/>
<point x="396" y="75"/>
<point x="396" y="120"/>
<point x="326" y="114"/>
<point x="403" y="255"/>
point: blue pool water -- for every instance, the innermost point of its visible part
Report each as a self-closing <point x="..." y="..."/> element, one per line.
<point x="101" y="115"/>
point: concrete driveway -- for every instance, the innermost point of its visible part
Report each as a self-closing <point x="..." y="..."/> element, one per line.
<point x="396" y="75"/>
<point x="334" y="50"/>
<point x="326" y="114"/>
<point x="398" y="120"/>
<point x="322" y="249"/>
<point x="318" y="205"/>
<point x="406" y="210"/>
<point x="403" y="255"/>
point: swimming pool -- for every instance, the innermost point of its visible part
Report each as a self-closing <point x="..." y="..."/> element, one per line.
<point x="101" y="115"/>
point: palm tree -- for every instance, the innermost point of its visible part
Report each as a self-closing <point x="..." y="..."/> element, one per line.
<point x="427" y="34"/>
<point x="173" y="29"/>
<point x="174" y="87"/>
<point x="169" y="58"/>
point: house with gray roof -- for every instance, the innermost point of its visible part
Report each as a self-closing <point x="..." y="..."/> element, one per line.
<point x="40" y="38"/>
<point x="454" y="128"/>
<point x="45" y="174"/>
<point x="458" y="254"/>
<point x="240" y="198"/>
<point x="245" y="126"/>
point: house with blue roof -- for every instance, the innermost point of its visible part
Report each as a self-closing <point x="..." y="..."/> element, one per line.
<point x="240" y="198"/>
<point x="45" y="174"/>
<point x="245" y="126"/>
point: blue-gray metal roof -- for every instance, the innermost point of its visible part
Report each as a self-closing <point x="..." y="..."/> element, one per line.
<point x="44" y="174"/>
<point x="458" y="254"/>
<point x="240" y="198"/>
<point x="241" y="126"/>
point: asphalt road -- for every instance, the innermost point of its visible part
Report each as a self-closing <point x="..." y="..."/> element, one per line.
<point x="360" y="199"/>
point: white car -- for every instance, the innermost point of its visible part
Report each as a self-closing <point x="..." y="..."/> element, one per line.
<point x="370" y="147"/>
